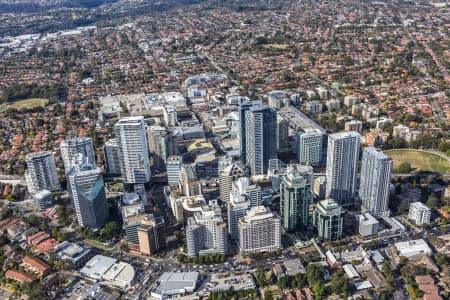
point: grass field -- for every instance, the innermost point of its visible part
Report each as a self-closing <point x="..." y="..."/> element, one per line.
<point x="277" y="46"/>
<point x="419" y="160"/>
<point x="28" y="103"/>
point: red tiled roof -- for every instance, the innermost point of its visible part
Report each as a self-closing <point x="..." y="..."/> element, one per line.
<point x="37" y="264"/>
<point x="19" y="276"/>
<point x="424" y="279"/>
<point x="47" y="245"/>
<point x="431" y="297"/>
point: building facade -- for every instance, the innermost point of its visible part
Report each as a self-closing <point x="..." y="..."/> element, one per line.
<point x="259" y="231"/>
<point x="73" y="146"/>
<point x="296" y="195"/>
<point x="226" y="178"/>
<point x="151" y="234"/>
<point x="206" y="233"/>
<point x="243" y="108"/>
<point x="41" y="172"/>
<point x="419" y="213"/>
<point x="112" y="158"/>
<point x="133" y="150"/>
<point x="329" y="220"/>
<point x="261" y="129"/>
<point x="157" y="137"/>
<point x="282" y="135"/>
<point x="173" y="166"/>
<point x="342" y="167"/>
<point x="87" y="190"/>
<point x="376" y="169"/>
<point x="310" y="147"/>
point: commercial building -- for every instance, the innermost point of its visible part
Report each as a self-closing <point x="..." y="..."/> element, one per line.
<point x="295" y="196"/>
<point x="342" y="167"/>
<point x="41" y="172"/>
<point x="151" y="234"/>
<point x="376" y="169"/>
<point x="170" y="284"/>
<point x="42" y="200"/>
<point x="173" y="167"/>
<point x="224" y="282"/>
<point x="133" y="150"/>
<point x="73" y="146"/>
<point x="112" y="158"/>
<point x="329" y="219"/>
<point x="206" y="232"/>
<point x="419" y="213"/>
<point x="87" y="190"/>
<point x="132" y="209"/>
<point x="226" y="178"/>
<point x="109" y="269"/>
<point x="413" y="247"/>
<point x="72" y="252"/>
<point x="157" y="137"/>
<point x="367" y="225"/>
<point x="259" y="231"/>
<point x="260" y="130"/>
<point x="309" y="147"/>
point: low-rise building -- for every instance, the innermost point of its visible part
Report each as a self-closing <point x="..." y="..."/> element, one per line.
<point x="106" y="268"/>
<point x="413" y="247"/>
<point x="19" y="276"/>
<point x="368" y="225"/>
<point x="170" y="284"/>
<point x="224" y="282"/>
<point x="419" y="213"/>
<point x="72" y="252"/>
<point x="36" y="265"/>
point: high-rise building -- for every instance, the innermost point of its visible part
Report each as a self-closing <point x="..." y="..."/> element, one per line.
<point x="189" y="183"/>
<point x="419" y="213"/>
<point x="376" y="168"/>
<point x="251" y="191"/>
<point x="223" y="162"/>
<point x="237" y="208"/>
<point x="158" y="145"/>
<point x="342" y="166"/>
<point x="41" y="172"/>
<point x="87" y="189"/>
<point x="133" y="211"/>
<point x="296" y="195"/>
<point x="261" y="129"/>
<point x="173" y="166"/>
<point x="329" y="219"/>
<point x="282" y="134"/>
<point x="152" y="235"/>
<point x="133" y="150"/>
<point x="73" y="146"/>
<point x="112" y="158"/>
<point x="243" y="108"/>
<point x="226" y="178"/>
<point x="206" y="232"/>
<point x="259" y="231"/>
<point x="310" y="147"/>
